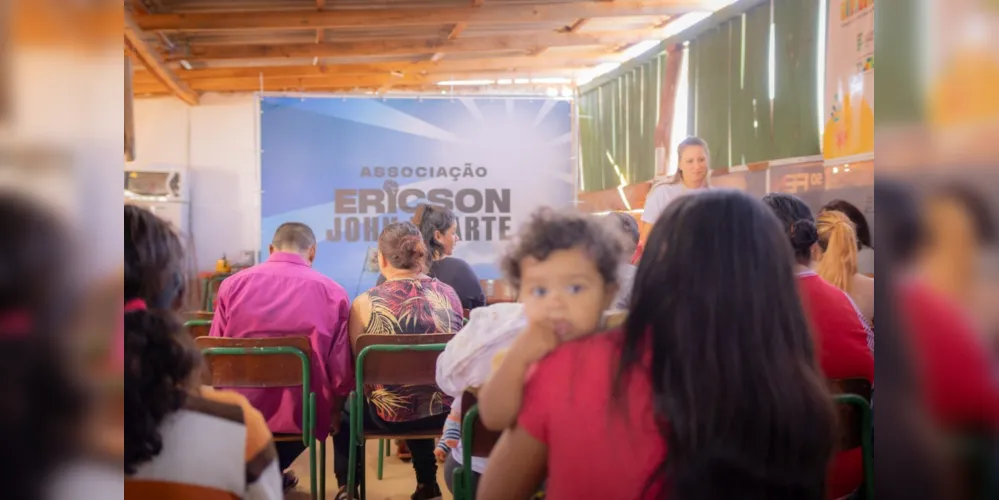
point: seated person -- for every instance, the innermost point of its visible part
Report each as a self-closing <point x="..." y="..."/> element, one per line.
<point x="181" y="440"/>
<point x="285" y="297"/>
<point x="626" y="273"/>
<point x="408" y="302"/>
<point x="845" y="342"/>
<point x="566" y="265"/>
<point x="703" y="394"/>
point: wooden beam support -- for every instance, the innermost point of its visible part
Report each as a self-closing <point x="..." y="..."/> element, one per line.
<point x="416" y="16"/>
<point x="152" y="61"/>
<point x="511" y="64"/>
<point x="456" y="30"/>
<point x="410" y="47"/>
<point x="344" y="81"/>
<point x="574" y="27"/>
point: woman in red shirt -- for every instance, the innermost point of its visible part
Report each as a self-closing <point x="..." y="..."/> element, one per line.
<point x="711" y="391"/>
<point x="844" y="342"/>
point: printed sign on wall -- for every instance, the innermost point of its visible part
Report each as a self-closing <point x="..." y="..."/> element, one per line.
<point x="849" y="91"/>
<point x="347" y="167"/>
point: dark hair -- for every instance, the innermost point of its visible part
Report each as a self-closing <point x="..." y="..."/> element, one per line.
<point x="294" y="236"/>
<point x="403" y="246"/>
<point x="159" y="357"/>
<point x="432" y="218"/>
<point x="900" y="222"/>
<point x="628" y="224"/>
<point x="763" y="428"/>
<point x="549" y="230"/>
<point x="798" y="221"/>
<point x="856" y="217"/>
<point x="43" y="398"/>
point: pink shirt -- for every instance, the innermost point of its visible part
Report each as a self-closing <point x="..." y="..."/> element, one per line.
<point x="285" y="296"/>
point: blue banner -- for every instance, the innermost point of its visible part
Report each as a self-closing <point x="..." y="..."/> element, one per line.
<point x="349" y="166"/>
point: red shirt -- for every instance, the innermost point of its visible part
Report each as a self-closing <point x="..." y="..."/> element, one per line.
<point x="842" y="347"/>
<point x="597" y="448"/>
<point x="953" y="365"/>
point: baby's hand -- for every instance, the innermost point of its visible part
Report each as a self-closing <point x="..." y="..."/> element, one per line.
<point x="440" y="454"/>
<point x="535" y="342"/>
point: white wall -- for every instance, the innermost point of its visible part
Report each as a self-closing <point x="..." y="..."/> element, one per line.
<point x="217" y="141"/>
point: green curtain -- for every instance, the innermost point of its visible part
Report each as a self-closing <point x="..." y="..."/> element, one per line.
<point x="796" y="113"/>
<point x="729" y="102"/>
<point x="898" y="63"/>
<point x="617" y="123"/>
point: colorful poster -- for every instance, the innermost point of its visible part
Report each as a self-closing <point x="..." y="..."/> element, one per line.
<point x="347" y="167"/>
<point x="849" y="91"/>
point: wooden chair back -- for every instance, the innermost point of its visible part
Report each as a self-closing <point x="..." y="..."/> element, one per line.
<point x="400" y="366"/>
<point x="483" y="440"/>
<point x="197" y="315"/>
<point x="198" y="328"/>
<point x="497" y="291"/>
<point x="849" y="417"/>
<point x="277" y="370"/>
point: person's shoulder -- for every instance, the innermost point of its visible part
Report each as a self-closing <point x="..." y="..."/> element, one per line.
<point x="456" y="264"/>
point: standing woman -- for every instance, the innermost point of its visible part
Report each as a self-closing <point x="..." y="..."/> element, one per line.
<point x="691" y="175"/>
<point x="439" y="227"/>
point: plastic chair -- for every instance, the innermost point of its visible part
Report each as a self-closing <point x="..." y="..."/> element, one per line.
<point x="476" y="441"/>
<point x="270" y="362"/>
<point x="389" y="360"/>
<point x="852" y="397"/>
<point x="198" y="327"/>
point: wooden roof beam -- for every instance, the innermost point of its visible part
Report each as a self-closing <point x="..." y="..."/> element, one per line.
<point x="416" y="16"/>
<point x="512" y="64"/>
<point x="410" y="47"/>
<point x="151" y="60"/>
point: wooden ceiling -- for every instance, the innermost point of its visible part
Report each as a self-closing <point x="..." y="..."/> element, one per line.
<point x="186" y="47"/>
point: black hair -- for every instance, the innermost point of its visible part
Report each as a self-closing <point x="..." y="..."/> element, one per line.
<point x="294" y="235"/>
<point x="798" y="221"/>
<point x="900" y="223"/>
<point x="160" y="358"/>
<point x="549" y="230"/>
<point x="716" y="293"/>
<point x="403" y="246"/>
<point x="43" y="398"/>
<point x="628" y="224"/>
<point x="432" y="218"/>
<point x="856" y="217"/>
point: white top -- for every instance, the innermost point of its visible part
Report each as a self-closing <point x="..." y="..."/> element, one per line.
<point x="865" y="261"/>
<point x="660" y="197"/>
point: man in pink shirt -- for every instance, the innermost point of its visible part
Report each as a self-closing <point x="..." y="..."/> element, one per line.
<point x="281" y="297"/>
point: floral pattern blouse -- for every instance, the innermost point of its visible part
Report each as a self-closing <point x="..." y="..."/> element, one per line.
<point x="411" y="306"/>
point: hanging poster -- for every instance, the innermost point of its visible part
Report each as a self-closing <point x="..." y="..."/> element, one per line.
<point x="849" y="85"/>
<point x="347" y="167"/>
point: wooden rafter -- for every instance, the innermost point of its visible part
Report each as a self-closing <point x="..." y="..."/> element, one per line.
<point x="410" y="47"/>
<point x="415" y="16"/>
<point x="339" y="81"/>
<point x="152" y="61"/>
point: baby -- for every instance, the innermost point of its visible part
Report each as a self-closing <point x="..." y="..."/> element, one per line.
<point x="564" y="265"/>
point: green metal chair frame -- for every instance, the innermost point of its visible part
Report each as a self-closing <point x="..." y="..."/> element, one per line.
<point x="866" y="444"/>
<point x="308" y="406"/>
<point x="209" y="304"/>
<point x="197" y="322"/>
<point x="356" y="404"/>
<point x="463" y="489"/>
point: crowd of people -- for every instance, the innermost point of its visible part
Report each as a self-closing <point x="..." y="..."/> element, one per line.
<point x="694" y="356"/>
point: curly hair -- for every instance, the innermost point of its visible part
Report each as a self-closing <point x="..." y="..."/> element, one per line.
<point x="159" y="358"/>
<point x="44" y="400"/>
<point x="551" y="230"/>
